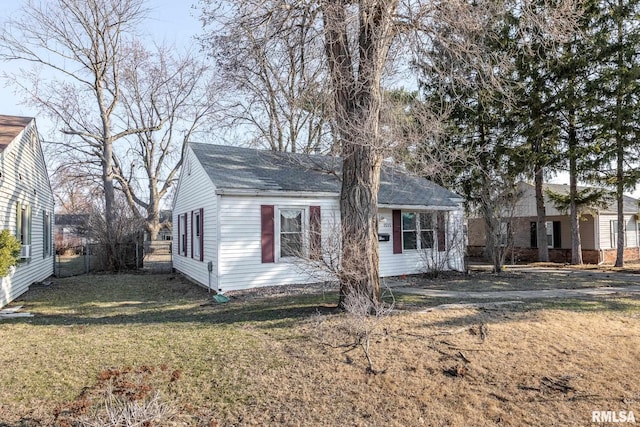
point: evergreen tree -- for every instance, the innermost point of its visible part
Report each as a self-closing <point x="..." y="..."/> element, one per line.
<point x="614" y="111"/>
<point x="569" y="71"/>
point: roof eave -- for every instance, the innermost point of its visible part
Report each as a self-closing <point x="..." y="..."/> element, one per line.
<point x="417" y="207"/>
<point x="266" y="193"/>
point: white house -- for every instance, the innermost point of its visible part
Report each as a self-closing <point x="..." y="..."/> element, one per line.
<point x="26" y="204"/>
<point x="241" y="215"/>
<point x="598" y="229"/>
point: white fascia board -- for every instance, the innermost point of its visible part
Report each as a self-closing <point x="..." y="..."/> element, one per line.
<point x="419" y="207"/>
<point x="267" y="193"/>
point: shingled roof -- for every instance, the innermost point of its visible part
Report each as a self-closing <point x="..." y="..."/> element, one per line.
<point x="235" y="168"/>
<point x="10" y="127"/>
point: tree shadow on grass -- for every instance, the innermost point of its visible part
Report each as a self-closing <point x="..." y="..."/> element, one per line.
<point x="276" y="312"/>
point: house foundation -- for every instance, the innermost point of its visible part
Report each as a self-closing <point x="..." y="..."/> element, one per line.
<point x="561" y="256"/>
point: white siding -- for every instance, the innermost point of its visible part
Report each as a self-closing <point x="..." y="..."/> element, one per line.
<point x="196" y="191"/>
<point x="421" y="261"/>
<point x="24" y="180"/>
<point x="604" y="224"/>
<point x="241" y="264"/>
<point x="526" y="205"/>
<point x="241" y="255"/>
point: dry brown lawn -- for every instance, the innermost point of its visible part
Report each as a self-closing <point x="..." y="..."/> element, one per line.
<point x="286" y="359"/>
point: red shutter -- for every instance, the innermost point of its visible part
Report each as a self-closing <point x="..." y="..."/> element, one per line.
<point x="179" y="239"/>
<point x="267" y="234"/>
<point x="315" y="233"/>
<point x="442" y="229"/>
<point x="396" y="216"/>
<point x="201" y="235"/>
<point x="191" y="234"/>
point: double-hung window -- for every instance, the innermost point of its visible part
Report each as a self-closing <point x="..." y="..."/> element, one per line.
<point x="46" y="234"/>
<point x="409" y="230"/>
<point x="197" y="233"/>
<point x="291" y="232"/>
<point x="182" y="234"/>
<point x="550" y="234"/>
<point x="417" y="230"/>
<point x="23" y="228"/>
<point x="613" y="224"/>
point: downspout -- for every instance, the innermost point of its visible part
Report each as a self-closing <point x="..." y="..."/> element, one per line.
<point x="218" y="240"/>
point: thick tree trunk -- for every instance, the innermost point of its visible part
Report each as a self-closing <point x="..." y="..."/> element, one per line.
<point x="358" y="101"/>
<point x="620" y="145"/>
<point x="153" y="209"/>
<point x="109" y="198"/>
<point x="153" y="228"/>
<point x="543" y="249"/>
<point x="359" y="214"/>
<point x="576" y="244"/>
<point x="620" y="204"/>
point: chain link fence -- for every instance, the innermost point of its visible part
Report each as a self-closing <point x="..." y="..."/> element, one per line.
<point x="154" y="257"/>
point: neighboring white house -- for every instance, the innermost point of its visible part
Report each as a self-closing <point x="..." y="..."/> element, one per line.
<point x="26" y="204"/>
<point x="239" y="216"/>
<point x="598" y="229"/>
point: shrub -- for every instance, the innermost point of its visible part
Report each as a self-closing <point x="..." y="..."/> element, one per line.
<point x="9" y="252"/>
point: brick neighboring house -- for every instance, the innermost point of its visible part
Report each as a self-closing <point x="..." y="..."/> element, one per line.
<point x="598" y="230"/>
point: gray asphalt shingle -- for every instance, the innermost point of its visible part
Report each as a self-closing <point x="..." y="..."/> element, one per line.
<point x="235" y="168"/>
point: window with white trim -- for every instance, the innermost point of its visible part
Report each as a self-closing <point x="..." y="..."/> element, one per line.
<point x="23" y="224"/>
<point x="291" y="231"/>
<point x="196" y="234"/>
<point x="418" y="230"/>
<point x="182" y="234"/>
<point x="47" y="249"/>
<point x="550" y="236"/>
<point x="23" y="229"/>
<point x="614" y="233"/>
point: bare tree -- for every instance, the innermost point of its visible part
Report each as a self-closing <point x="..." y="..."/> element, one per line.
<point x="445" y="244"/>
<point x="171" y="97"/>
<point x="81" y="44"/>
<point x="496" y="205"/>
<point x="74" y="192"/>
<point x="271" y="62"/>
